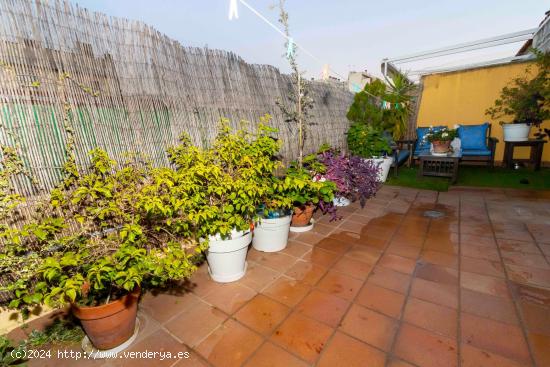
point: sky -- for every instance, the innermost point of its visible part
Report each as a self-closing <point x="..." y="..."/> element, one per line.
<point x="345" y="34"/>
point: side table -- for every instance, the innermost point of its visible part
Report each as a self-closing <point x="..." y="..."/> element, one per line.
<point x="536" y="146"/>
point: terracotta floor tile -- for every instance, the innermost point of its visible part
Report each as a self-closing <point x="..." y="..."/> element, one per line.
<point x="424" y="348"/>
<point x="369" y="326"/>
<point x="536" y="316"/>
<point x="486" y="305"/>
<point x="160" y="341"/>
<point x="447" y="243"/>
<point x="497" y="337"/>
<point x="359" y="217"/>
<point x="484" y="284"/>
<point x="525" y="259"/>
<point x="475" y="229"/>
<point x="323" y="307"/>
<point x="270" y="355"/>
<point x="306" y="272"/>
<point x="274" y="260"/>
<point x="529" y="276"/>
<point x="440" y="258"/>
<point x="381" y="299"/>
<point x="296" y="249"/>
<point x="164" y="306"/>
<point x="334" y="245"/>
<point x="194" y="360"/>
<point x="528" y="247"/>
<point x="287" y="291"/>
<point x="344" y="351"/>
<point x="430" y="316"/>
<point x="351" y="226"/>
<point x="442" y="294"/>
<point x="201" y="284"/>
<point x="396" y="362"/>
<point x="364" y="254"/>
<point x="262" y="314"/>
<point x="408" y="240"/>
<point x="372" y="241"/>
<point x="230" y="345"/>
<point x="310" y="238"/>
<point x="390" y="279"/>
<point x="230" y="297"/>
<point x="302" y="336"/>
<point x="258" y="277"/>
<point x="323" y="228"/>
<point x="436" y="273"/>
<point x="482" y="266"/>
<point x="410" y="252"/>
<point x="514" y="235"/>
<point x="192" y="325"/>
<point x="475" y="357"/>
<point x="541" y="348"/>
<point x="321" y="257"/>
<point x="398" y="263"/>
<point x="354" y="268"/>
<point x="468" y="239"/>
<point x="340" y="285"/>
<point x="480" y="252"/>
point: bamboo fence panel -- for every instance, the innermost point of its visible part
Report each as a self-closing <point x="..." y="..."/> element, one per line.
<point x="150" y="89"/>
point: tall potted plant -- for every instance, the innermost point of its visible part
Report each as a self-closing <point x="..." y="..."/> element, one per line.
<point x="96" y="245"/>
<point x="369" y="142"/>
<point x="526" y="101"/>
<point x="230" y="181"/>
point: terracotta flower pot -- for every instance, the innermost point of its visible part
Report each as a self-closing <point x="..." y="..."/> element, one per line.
<point x="302" y="215"/>
<point x="441" y="146"/>
<point x="110" y="325"/>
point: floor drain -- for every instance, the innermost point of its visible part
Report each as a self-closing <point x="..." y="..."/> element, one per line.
<point x="433" y="214"/>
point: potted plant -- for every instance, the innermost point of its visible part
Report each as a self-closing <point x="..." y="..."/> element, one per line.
<point x="229" y="180"/>
<point x="355" y="178"/>
<point x="441" y="139"/>
<point x="96" y="245"/>
<point x="525" y="101"/>
<point x="368" y="141"/>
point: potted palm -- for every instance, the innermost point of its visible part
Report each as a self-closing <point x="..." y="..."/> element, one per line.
<point x="369" y="142"/>
<point x="96" y="245"/>
<point x="526" y="101"/>
<point x="229" y="180"/>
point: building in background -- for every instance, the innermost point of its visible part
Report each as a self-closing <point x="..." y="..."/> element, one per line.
<point x="358" y="79"/>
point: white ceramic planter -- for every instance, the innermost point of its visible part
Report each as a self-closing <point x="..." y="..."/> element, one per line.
<point x="341" y="201"/>
<point x="227" y="258"/>
<point x="385" y="165"/>
<point x="271" y="235"/>
<point x="516" y="132"/>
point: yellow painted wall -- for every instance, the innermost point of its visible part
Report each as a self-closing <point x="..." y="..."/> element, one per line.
<point x="462" y="97"/>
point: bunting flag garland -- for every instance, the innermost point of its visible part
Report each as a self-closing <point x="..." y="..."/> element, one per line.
<point x="290" y="48"/>
<point x="233" y="10"/>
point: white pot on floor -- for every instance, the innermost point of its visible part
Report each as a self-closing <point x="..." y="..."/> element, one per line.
<point x="384" y="164"/>
<point x="516" y="132"/>
<point x="227" y="258"/>
<point x="271" y="235"/>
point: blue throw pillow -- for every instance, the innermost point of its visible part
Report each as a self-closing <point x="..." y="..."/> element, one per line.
<point x="422" y="144"/>
<point x="473" y="136"/>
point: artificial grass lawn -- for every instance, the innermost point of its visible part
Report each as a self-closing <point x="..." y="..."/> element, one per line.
<point x="475" y="176"/>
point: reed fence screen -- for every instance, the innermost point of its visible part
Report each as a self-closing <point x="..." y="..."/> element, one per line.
<point x="150" y="89"/>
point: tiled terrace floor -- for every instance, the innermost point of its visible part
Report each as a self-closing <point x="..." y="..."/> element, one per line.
<point x="386" y="286"/>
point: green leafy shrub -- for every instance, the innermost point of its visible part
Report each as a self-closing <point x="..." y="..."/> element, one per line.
<point x="231" y="179"/>
<point x="102" y="233"/>
<point x="367" y="141"/>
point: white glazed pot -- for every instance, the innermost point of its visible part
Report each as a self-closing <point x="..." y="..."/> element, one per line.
<point x="385" y="165"/>
<point x="227" y="258"/>
<point x="341" y="201"/>
<point x="516" y="132"/>
<point x="271" y="235"/>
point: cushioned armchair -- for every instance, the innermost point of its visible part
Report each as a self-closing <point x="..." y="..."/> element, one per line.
<point x="477" y="144"/>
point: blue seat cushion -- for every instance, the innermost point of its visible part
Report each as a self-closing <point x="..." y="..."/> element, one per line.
<point x="420" y="143"/>
<point x="473" y="136"/>
<point x="422" y="151"/>
<point x="402" y="155"/>
<point x="473" y="152"/>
